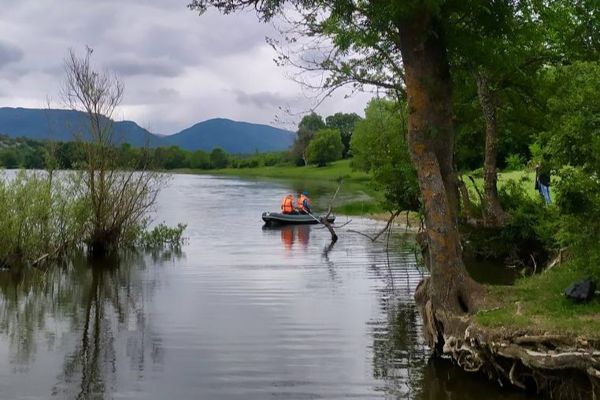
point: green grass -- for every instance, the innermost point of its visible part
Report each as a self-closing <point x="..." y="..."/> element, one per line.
<point x="538" y="303"/>
<point x="356" y="196"/>
<point x="526" y="178"/>
<point x="360" y="207"/>
<point x="334" y="171"/>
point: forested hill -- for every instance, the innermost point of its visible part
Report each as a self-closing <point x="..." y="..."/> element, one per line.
<point x="64" y="125"/>
<point x="234" y="137"/>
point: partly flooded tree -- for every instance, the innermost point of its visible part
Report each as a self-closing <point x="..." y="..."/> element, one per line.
<point x="119" y="197"/>
<point x="400" y="47"/>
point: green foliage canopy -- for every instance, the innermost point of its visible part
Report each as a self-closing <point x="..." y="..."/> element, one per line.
<point x="325" y="147"/>
<point x="218" y="158"/>
<point x="345" y="124"/>
<point x="573" y="134"/>
<point x="307" y="128"/>
<point x="379" y="147"/>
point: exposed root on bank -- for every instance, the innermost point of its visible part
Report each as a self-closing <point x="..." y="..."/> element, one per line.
<point x="556" y="366"/>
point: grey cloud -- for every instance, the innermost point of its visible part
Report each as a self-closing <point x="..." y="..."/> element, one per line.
<point x="160" y="96"/>
<point x="9" y="54"/>
<point x="262" y="99"/>
<point x="156" y="67"/>
<point x="206" y="41"/>
<point x="168" y="93"/>
<point x="177" y="67"/>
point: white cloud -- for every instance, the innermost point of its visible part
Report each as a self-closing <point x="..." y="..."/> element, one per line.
<point x="178" y="68"/>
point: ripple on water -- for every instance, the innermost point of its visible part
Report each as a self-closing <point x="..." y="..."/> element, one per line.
<point x="244" y="313"/>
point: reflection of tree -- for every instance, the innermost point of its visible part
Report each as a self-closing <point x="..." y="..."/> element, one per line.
<point x="441" y="379"/>
<point x="114" y="300"/>
<point x="397" y="348"/>
<point x="400" y="357"/>
<point x="103" y="304"/>
<point x="330" y="265"/>
<point x="399" y="352"/>
<point x="96" y="342"/>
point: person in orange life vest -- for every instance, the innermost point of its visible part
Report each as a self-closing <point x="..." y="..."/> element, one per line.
<point x="287" y="204"/>
<point x="304" y="203"/>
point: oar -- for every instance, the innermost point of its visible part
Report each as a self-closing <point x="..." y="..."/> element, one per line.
<point x="315" y="218"/>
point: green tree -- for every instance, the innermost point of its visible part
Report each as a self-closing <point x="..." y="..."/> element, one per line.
<point x="198" y="159"/>
<point x="573" y="103"/>
<point x="35" y="157"/>
<point x="171" y="157"/>
<point x="69" y="155"/>
<point x="399" y="46"/>
<point x="218" y="158"/>
<point x="10" y="158"/>
<point x="345" y="124"/>
<point x="307" y="128"/>
<point x="379" y="147"/>
<point x="325" y="147"/>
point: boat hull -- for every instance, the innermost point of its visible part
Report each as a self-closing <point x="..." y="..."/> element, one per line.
<point x="273" y="218"/>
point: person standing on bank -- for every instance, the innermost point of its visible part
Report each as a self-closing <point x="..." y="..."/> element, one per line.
<point x="542" y="183"/>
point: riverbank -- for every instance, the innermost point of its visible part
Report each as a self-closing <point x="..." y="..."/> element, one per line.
<point x="527" y="335"/>
<point x="357" y="195"/>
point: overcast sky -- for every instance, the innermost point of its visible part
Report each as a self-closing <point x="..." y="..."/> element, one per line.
<point x="178" y="68"/>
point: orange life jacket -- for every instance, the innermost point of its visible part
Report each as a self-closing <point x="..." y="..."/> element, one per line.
<point x="301" y="202"/>
<point x="301" y="199"/>
<point x="287" y="204"/>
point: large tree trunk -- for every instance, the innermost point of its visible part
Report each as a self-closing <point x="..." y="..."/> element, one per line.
<point x="430" y="141"/>
<point x="493" y="213"/>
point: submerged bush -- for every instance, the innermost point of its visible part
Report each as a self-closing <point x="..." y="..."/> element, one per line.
<point x="162" y="236"/>
<point x="41" y="217"/>
<point x="119" y="196"/>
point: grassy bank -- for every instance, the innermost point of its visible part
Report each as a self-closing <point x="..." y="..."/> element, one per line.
<point x="357" y="196"/>
<point x="524" y="177"/>
<point x="537" y="303"/>
<point x="334" y="171"/>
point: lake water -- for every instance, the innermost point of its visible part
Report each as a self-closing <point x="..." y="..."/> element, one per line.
<point x="242" y="312"/>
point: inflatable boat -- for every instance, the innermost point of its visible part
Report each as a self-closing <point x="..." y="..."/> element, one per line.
<point x="275" y="218"/>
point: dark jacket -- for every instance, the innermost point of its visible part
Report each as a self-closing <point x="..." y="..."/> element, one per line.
<point x="544" y="178"/>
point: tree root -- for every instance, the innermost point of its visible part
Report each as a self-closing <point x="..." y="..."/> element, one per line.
<point x="561" y="367"/>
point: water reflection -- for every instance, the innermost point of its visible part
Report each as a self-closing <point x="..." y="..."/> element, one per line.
<point x="244" y="314"/>
<point x="92" y="312"/>
<point x="292" y="236"/>
<point x="401" y="359"/>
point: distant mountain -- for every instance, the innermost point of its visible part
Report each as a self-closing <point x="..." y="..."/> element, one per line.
<point x="232" y="136"/>
<point x="64" y="125"/>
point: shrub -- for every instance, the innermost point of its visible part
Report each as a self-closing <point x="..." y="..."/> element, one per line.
<point x="515" y="162"/>
<point x="41" y="217"/>
<point x="162" y="236"/>
<point x="529" y="236"/>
